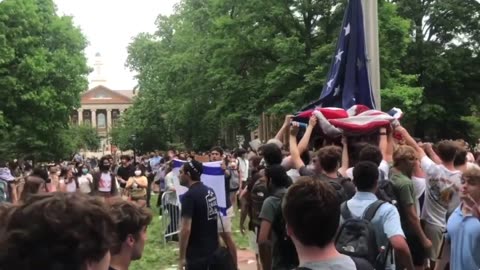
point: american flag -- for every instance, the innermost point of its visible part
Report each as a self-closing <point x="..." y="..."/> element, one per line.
<point x="347" y="82"/>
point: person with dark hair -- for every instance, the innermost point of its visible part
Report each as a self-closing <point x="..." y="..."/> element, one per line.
<point x="272" y="154"/>
<point x="33" y="185"/>
<point x="443" y="182"/>
<point x="131" y="222"/>
<point x="312" y="213"/>
<point x="104" y="184"/>
<point x="270" y="249"/>
<point x="62" y="231"/>
<point x="224" y="224"/>
<point x="137" y="187"/>
<point x="125" y="171"/>
<point x="199" y="232"/>
<point x="68" y="180"/>
<point x="386" y="220"/>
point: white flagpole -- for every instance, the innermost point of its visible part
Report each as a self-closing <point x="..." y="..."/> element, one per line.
<point x="370" y="18"/>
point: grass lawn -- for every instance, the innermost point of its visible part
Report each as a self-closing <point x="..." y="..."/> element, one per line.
<point x="158" y="256"/>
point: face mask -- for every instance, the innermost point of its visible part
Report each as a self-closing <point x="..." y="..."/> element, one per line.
<point x="84" y="171"/>
<point x="138" y="173"/>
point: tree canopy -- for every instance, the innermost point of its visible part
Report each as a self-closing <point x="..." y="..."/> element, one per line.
<point x="215" y="65"/>
<point x="42" y="73"/>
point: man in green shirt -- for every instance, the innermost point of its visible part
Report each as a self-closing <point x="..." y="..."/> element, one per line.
<point x="404" y="161"/>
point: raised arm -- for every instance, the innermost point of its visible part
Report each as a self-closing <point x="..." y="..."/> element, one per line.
<point x="410" y="141"/>
<point x="284" y="128"/>
<point x="303" y="144"/>
<point x="294" y="153"/>
<point x="345" y="160"/>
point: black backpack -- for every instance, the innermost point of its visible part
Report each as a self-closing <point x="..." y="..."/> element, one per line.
<point x="258" y="194"/>
<point x="339" y="186"/>
<point x="288" y="253"/>
<point x="356" y="237"/>
<point x="385" y="191"/>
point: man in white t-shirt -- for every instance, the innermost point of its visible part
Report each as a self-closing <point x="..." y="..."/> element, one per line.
<point x="442" y="185"/>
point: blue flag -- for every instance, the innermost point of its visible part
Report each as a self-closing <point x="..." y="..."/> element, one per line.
<point x="347" y="82"/>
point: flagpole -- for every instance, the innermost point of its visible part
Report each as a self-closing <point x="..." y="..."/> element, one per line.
<point x="370" y="12"/>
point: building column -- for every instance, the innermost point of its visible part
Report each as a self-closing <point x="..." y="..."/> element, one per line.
<point x="80" y="116"/>
<point x="109" y="119"/>
<point x="94" y="118"/>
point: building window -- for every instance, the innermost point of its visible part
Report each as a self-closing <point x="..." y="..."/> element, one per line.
<point x="87" y="120"/>
<point x="101" y="121"/>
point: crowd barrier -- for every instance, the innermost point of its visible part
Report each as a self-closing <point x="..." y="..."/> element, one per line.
<point x="170" y="217"/>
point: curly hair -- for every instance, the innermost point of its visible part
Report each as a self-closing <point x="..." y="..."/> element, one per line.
<point x="55" y="231"/>
<point x="129" y="219"/>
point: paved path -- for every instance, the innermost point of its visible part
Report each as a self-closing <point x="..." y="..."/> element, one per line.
<point x="246" y="260"/>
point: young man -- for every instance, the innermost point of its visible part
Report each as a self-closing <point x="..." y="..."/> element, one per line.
<point x="442" y="185"/>
<point x="386" y="221"/>
<point x="269" y="238"/>
<point x="125" y="171"/>
<point x="312" y="213"/>
<point x="199" y="232"/>
<point x="131" y="222"/>
<point x="63" y="231"/>
<point x="330" y="158"/>
<point x="462" y="243"/>
<point x="224" y="224"/>
<point x="404" y="162"/>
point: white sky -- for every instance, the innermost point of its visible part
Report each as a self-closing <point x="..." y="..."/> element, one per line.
<point x="109" y="26"/>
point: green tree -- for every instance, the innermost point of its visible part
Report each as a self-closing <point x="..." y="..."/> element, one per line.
<point x="214" y="66"/>
<point x="42" y="73"/>
<point x="444" y="53"/>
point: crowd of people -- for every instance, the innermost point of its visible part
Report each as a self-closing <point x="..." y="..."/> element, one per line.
<point x="389" y="201"/>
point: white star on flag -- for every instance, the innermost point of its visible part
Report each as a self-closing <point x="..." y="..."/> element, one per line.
<point x="329" y="84"/>
<point x="337" y="91"/>
<point x="347" y="29"/>
<point x="338" y="56"/>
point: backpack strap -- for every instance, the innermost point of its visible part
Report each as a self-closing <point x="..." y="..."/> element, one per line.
<point x="345" y="212"/>
<point x="372" y="210"/>
<point x="361" y="264"/>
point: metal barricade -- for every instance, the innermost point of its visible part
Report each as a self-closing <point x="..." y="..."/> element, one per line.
<point x="170" y="216"/>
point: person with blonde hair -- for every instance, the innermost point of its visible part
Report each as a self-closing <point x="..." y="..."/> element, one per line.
<point x="462" y="241"/>
<point x="404" y="162"/>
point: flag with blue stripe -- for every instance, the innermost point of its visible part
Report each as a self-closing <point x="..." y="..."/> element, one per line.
<point x="347" y="82"/>
<point x="213" y="176"/>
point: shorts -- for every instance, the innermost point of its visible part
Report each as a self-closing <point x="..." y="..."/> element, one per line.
<point x="226" y="220"/>
<point x="435" y="234"/>
<point x="419" y="254"/>
<point x="252" y="240"/>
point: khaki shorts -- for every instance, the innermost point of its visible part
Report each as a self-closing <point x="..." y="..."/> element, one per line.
<point x="252" y="240"/>
<point x="227" y="221"/>
<point x="435" y="234"/>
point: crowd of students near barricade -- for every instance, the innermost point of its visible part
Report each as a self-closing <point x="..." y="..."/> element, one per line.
<point x="393" y="202"/>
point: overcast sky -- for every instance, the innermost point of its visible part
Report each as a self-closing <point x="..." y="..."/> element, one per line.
<point x="109" y="26"/>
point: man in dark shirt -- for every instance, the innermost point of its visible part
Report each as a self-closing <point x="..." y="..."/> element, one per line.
<point x="198" y="236"/>
<point x="125" y="171"/>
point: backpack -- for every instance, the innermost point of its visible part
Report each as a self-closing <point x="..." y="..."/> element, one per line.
<point x="356" y="237"/>
<point x="4" y="191"/>
<point x="287" y="250"/>
<point x="385" y="191"/>
<point x="258" y="194"/>
<point x="339" y="186"/>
